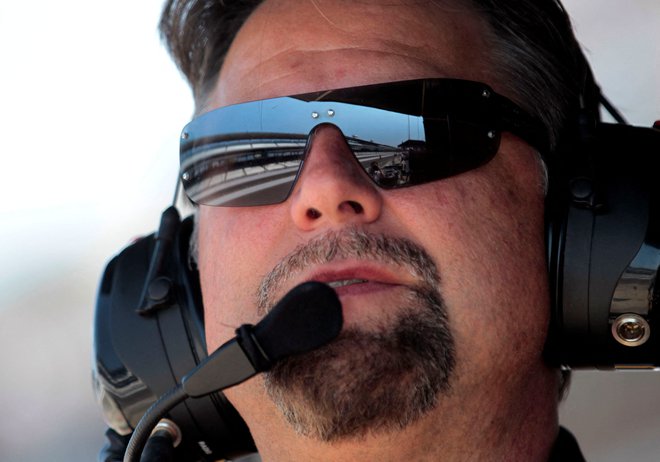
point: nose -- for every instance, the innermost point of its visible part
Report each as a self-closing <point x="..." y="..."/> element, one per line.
<point x="332" y="189"/>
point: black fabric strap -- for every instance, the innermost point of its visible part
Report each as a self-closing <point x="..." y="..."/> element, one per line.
<point x="566" y="448"/>
<point x="114" y="449"/>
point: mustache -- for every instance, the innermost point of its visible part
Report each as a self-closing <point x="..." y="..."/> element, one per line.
<point x="350" y="243"/>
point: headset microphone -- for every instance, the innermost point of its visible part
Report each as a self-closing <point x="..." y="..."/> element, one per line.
<point x="308" y="317"/>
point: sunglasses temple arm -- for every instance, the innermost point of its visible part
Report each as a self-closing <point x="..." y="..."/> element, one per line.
<point x="177" y="189"/>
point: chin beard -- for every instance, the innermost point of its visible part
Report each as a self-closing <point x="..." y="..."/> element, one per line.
<point x="368" y="382"/>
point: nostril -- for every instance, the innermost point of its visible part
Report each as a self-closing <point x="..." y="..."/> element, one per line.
<point x="356" y="206"/>
<point x="313" y="214"/>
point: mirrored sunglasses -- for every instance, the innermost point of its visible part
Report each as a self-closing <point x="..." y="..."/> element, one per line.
<point x="402" y="134"/>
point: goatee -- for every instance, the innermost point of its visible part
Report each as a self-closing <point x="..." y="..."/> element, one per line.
<point x="366" y="381"/>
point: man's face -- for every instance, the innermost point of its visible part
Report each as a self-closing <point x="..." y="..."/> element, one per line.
<point x="480" y="233"/>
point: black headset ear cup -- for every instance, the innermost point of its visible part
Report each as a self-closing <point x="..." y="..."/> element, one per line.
<point x="603" y="257"/>
<point x="138" y="357"/>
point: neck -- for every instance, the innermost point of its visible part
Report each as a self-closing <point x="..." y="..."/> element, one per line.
<point x="517" y="426"/>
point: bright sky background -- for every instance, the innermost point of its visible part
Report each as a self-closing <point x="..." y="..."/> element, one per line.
<point x="90" y="110"/>
<point x="90" y="114"/>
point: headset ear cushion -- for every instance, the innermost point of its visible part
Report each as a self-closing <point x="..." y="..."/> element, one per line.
<point x="555" y="226"/>
<point x="140" y="356"/>
<point x="602" y="234"/>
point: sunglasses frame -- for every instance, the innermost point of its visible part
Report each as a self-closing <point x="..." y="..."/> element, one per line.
<point x="440" y="106"/>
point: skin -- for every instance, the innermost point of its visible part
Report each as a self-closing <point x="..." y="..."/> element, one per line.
<point x="483" y="229"/>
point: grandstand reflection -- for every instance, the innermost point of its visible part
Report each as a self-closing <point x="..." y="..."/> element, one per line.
<point x="246" y="168"/>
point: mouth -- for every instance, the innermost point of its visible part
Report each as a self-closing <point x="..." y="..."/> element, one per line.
<point x="351" y="277"/>
<point x="346" y="282"/>
<point x="363" y="298"/>
<point x="346" y="285"/>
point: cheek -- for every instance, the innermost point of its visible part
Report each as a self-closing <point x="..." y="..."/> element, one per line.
<point x="485" y="229"/>
<point x="233" y="257"/>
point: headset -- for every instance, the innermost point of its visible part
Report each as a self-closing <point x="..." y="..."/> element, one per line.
<point x="603" y="253"/>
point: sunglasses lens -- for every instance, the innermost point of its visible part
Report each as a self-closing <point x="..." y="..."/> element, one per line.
<point x="266" y="173"/>
<point x="246" y="178"/>
<point x="444" y="153"/>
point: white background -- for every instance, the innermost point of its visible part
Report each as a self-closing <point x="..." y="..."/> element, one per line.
<point x="90" y="112"/>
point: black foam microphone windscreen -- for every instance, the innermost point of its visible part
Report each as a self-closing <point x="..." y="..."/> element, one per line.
<point x="312" y="317"/>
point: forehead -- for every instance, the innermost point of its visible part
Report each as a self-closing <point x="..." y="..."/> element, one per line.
<point x="296" y="46"/>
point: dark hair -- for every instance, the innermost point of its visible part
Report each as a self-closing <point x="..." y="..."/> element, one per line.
<point x="540" y="61"/>
<point x="198" y="33"/>
<point x="537" y="55"/>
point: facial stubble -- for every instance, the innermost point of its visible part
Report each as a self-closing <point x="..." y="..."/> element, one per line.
<point x="372" y="380"/>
